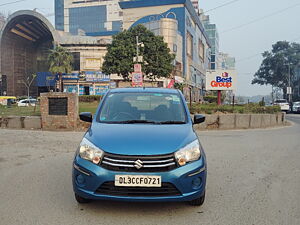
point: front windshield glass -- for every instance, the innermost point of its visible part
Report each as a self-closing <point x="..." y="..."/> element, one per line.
<point x="156" y="108"/>
<point x="281" y="101"/>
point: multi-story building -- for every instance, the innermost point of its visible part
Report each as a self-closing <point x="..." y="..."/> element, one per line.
<point x="179" y="24"/>
<point x="213" y="35"/>
<point x="2" y="21"/>
<point x="226" y="62"/>
<point x="296" y="85"/>
<point x="88" y="17"/>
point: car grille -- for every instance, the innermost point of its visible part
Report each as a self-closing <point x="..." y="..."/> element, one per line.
<point x="167" y="189"/>
<point x="125" y="163"/>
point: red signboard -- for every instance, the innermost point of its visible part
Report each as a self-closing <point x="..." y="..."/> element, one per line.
<point x="137" y="68"/>
<point x="137" y="79"/>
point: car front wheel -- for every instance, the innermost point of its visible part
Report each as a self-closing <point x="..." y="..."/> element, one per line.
<point x="198" y="201"/>
<point x="81" y="200"/>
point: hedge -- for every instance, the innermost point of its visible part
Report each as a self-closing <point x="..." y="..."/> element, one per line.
<point x="248" y="108"/>
<point x="90" y="98"/>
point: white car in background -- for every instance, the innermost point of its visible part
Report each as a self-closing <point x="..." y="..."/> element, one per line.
<point x="27" y="102"/>
<point x="284" y="105"/>
<point x="296" y="107"/>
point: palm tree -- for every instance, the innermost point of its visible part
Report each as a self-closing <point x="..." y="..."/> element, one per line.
<point x="60" y="61"/>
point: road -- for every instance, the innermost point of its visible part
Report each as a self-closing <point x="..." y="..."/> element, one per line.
<point x="253" y="178"/>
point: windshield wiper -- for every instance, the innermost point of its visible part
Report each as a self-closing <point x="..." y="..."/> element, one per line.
<point x="135" y="121"/>
<point x="171" y="122"/>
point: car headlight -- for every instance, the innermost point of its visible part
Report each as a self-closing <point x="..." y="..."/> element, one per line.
<point x="189" y="153"/>
<point x="90" y="152"/>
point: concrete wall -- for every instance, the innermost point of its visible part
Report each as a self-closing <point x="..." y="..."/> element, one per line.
<point x="212" y="122"/>
<point x="241" y="121"/>
<point x="21" y="122"/>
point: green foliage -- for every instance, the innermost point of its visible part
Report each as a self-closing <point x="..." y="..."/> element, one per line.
<point x="274" y="69"/>
<point x="179" y="86"/>
<point x="90" y="98"/>
<point x="157" y="57"/>
<point x="60" y="60"/>
<point x="248" y="108"/>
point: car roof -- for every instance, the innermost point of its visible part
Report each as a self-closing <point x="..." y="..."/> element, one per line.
<point x="144" y="90"/>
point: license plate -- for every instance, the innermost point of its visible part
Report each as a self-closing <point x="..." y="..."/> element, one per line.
<point x="137" y="181"/>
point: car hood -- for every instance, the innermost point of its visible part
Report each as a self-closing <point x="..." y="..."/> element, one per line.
<point x="140" y="139"/>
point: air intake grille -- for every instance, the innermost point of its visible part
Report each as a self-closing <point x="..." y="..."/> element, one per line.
<point x="167" y="189"/>
<point x="125" y="163"/>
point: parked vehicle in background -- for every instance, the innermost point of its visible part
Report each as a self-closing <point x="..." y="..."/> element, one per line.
<point x="7" y="100"/>
<point x="141" y="146"/>
<point x="296" y="107"/>
<point x="284" y="105"/>
<point x="27" y="102"/>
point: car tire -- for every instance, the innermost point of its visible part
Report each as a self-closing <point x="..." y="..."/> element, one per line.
<point x="198" y="201"/>
<point x="81" y="200"/>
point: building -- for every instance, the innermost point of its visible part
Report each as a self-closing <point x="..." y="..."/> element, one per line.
<point x="88" y="17"/>
<point x="226" y="62"/>
<point x="213" y="35"/>
<point x="296" y="82"/>
<point x="179" y="24"/>
<point x="25" y="41"/>
<point x="2" y="21"/>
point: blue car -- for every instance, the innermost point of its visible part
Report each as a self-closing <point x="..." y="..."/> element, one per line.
<point x="141" y="146"/>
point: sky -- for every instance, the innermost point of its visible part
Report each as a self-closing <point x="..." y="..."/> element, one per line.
<point x="246" y="43"/>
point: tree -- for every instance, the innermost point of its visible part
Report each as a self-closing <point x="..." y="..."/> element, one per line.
<point x="278" y="64"/>
<point x="60" y="61"/>
<point x="28" y="82"/>
<point x="157" y="59"/>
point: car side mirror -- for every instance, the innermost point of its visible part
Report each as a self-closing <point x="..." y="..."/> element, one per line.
<point x="86" y="117"/>
<point x="199" y="119"/>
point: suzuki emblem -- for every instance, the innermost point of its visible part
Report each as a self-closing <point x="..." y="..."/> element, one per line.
<point x="138" y="164"/>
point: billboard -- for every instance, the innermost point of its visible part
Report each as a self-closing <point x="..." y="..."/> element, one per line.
<point x="221" y="80"/>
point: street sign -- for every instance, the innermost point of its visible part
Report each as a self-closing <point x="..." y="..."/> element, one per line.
<point x="137" y="68"/>
<point x="221" y="80"/>
<point x="289" y="90"/>
<point x="137" y="79"/>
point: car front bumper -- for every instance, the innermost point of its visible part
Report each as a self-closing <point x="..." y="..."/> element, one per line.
<point x="189" y="180"/>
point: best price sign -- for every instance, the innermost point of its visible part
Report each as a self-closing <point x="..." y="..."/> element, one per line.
<point x="221" y="80"/>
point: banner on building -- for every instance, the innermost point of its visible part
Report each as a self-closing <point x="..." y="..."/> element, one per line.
<point x="221" y="80"/>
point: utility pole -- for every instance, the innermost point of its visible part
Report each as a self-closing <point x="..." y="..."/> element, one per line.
<point x="289" y="88"/>
<point x="137" y="76"/>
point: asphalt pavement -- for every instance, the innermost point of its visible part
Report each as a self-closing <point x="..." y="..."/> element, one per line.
<point x="253" y="178"/>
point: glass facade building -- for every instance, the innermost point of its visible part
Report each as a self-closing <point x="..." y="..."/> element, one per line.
<point x="88" y="17"/>
<point x="59" y="14"/>
<point x="213" y="35"/>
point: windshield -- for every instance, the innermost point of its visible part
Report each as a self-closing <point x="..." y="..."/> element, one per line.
<point x="156" y="108"/>
<point x="281" y="101"/>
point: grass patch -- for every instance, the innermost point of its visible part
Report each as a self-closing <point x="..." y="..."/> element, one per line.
<point x="19" y="111"/>
<point x="32" y="111"/>
<point x="88" y="107"/>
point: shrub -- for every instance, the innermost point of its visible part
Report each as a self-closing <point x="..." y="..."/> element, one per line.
<point x="249" y="108"/>
<point x="90" y="98"/>
<point x="211" y="99"/>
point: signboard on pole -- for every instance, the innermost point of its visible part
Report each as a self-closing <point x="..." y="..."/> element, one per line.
<point x="221" y="80"/>
<point x="137" y="79"/>
<point x="137" y="68"/>
<point x="289" y="90"/>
